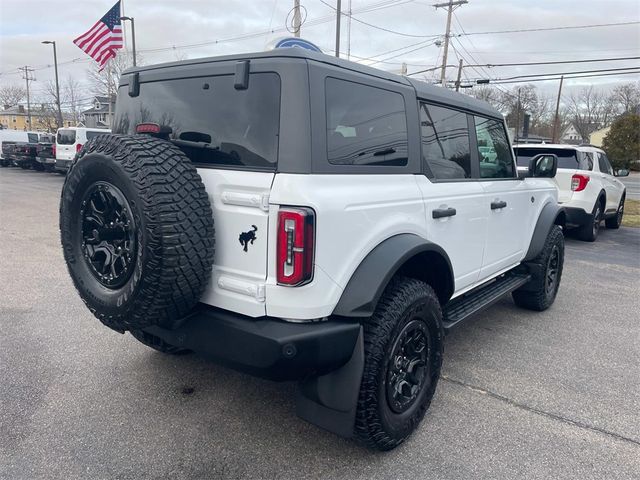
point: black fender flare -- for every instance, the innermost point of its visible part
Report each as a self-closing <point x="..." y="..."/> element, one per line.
<point x="361" y="295"/>
<point x="548" y="218"/>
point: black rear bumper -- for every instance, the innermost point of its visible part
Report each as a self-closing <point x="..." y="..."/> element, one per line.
<point x="265" y="347"/>
<point x="577" y="216"/>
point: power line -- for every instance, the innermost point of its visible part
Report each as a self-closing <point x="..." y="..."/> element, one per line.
<point x="556" y="62"/>
<point x="546" y="29"/>
<point x="516" y="77"/>
<point x="501" y="82"/>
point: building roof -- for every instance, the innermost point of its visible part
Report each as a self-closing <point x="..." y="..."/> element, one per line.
<point x="423" y="89"/>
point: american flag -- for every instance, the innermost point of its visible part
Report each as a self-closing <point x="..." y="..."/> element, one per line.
<point x="103" y="39"/>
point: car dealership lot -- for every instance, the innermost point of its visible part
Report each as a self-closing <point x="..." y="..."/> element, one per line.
<point x="523" y="394"/>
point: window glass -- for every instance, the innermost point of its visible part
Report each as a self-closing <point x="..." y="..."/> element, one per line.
<point x="587" y="161"/>
<point x="567" y="158"/>
<point x="494" y="150"/>
<point x="445" y="142"/>
<point x="209" y="120"/>
<point x="66" y="137"/>
<point x="32" y="137"/>
<point x="365" y="125"/>
<point x="605" y="166"/>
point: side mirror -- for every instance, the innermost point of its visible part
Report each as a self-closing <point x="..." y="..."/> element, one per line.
<point x="543" y="165"/>
<point x="622" y="172"/>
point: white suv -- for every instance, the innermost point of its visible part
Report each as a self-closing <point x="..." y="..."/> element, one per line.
<point x="588" y="189"/>
<point x="356" y="221"/>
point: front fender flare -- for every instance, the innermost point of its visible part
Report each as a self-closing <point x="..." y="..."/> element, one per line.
<point x="361" y="295"/>
<point x="547" y="219"/>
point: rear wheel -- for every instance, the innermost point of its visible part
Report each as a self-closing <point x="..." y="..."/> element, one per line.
<point x="403" y="355"/>
<point x="541" y="291"/>
<point x="615" y="222"/>
<point x="589" y="231"/>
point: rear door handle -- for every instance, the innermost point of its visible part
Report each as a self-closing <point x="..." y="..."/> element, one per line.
<point x="498" y="204"/>
<point x="443" y="212"/>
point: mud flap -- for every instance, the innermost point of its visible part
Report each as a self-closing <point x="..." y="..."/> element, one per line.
<point x="330" y="401"/>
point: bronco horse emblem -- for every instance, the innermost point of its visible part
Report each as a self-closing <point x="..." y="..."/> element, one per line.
<point x="246" y="237"/>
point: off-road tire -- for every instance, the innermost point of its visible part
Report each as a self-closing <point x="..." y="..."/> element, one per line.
<point x="172" y="225"/>
<point x="538" y="294"/>
<point x="157" y="343"/>
<point x="615" y="222"/>
<point x="404" y="301"/>
<point x="589" y="231"/>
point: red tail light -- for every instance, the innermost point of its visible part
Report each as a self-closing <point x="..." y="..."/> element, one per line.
<point x="53" y="150"/>
<point x="579" y="182"/>
<point x="78" y="147"/>
<point x="296" y="231"/>
<point x="147" y="128"/>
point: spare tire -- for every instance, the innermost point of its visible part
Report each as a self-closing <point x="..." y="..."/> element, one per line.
<point x="137" y="231"/>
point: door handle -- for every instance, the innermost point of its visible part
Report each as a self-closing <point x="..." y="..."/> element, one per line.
<point x="498" y="204"/>
<point x="443" y="212"/>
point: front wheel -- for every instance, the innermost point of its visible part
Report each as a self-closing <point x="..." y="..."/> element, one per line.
<point x="540" y="293"/>
<point x="403" y="342"/>
<point x="616" y="221"/>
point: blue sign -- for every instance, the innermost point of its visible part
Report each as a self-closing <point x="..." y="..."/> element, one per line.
<point x="297" y="43"/>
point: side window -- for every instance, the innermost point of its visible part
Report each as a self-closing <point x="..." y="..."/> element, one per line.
<point x="605" y="166"/>
<point x="445" y="142"/>
<point x="365" y="125"/>
<point x="494" y="151"/>
<point x="587" y="161"/>
<point x="32" y="137"/>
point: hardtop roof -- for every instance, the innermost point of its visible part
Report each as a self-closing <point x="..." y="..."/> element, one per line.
<point x="423" y="89"/>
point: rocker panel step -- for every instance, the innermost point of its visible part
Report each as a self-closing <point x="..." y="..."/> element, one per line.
<point x="472" y="302"/>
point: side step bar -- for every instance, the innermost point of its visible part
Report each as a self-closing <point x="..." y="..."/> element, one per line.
<point x="470" y="303"/>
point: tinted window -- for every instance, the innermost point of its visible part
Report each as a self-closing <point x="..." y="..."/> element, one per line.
<point x="66" y="137"/>
<point x="211" y="121"/>
<point x="494" y="150"/>
<point x="605" y="166"/>
<point x="445" y="142"/>
<point x="365" y="125"/>
<point x="32" y="137"/>
<point x="91" y="134"/>
<point x="566" y="157"/>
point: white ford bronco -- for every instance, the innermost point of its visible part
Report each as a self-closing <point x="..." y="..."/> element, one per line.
<point x="301" y="217"/>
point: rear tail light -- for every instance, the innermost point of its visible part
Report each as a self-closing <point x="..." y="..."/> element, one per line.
<point x="78" y="147"/>
<point x="296" y="231"/>
<point x="579" y="182"/>
<point x="53" y="149"/>
<point x="147" y="128"/>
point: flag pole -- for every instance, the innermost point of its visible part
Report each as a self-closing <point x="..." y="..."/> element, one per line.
<point x="124" y="28"/>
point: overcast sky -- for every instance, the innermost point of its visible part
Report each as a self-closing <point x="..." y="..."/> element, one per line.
<point x="166" y="28"/>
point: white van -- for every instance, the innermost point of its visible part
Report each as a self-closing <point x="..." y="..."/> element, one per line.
<point x="70" y="140"/>
<point x="12" y="136"/>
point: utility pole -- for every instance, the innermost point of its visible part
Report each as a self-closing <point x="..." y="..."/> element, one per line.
<point x="459" y="76"/>
<point x="55" y="63"/>
<point x="26" y="71"/>
<point x="338" y="15"/>
<point x="296" y="18"/>
<point x="517" y="117"/>
<point x="450" y="4"/>
<point x="556" y="118"/>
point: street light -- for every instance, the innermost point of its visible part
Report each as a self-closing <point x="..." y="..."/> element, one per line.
<point x="55" y="64"/>
<point x="133" y="36"/>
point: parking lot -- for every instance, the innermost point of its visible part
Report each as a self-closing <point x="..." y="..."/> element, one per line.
<point x="523" y="394"/>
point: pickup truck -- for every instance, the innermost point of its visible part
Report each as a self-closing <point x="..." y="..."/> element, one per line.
<point x="25" y="154"/>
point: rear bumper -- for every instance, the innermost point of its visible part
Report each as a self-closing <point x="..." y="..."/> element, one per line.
<point x="265" y="347"/>
<point x="577" y="216"/>
<point x="62" y="165"/>
<point x="46" y="160"/>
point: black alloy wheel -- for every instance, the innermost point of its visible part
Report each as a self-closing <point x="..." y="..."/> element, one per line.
<point x="551" y="275"/>
<point x="408" y="369"/>
<point x="108" y="234"/>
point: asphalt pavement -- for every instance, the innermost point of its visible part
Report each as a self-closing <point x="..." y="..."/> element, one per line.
<point x="523" y="394"/>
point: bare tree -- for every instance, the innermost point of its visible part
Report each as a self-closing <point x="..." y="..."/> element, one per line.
<point x="71" y="94"/>
<point x="518" y="101"/>
<point x="590" y="110"/>
<point x="486" y="94"/>
<point x="626" y="97"/>
<point x="12" y="95"/>
<point x="107" y="80"/>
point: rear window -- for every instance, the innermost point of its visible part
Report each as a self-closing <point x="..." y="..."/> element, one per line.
<point x="66" y="137"/>
<point x="566" y="157"/>
<point x="365" y="125"/>
<point x="32" y="137"/>
<point x="210" y="121"/>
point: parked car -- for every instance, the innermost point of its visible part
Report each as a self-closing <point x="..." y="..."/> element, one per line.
<point x="69" y="141"/>
<point x="355" y="223"/>
<point x="8" y="138"/>
<point x="23" y="153"/>
<point x="588" y="188"/>
<point x="45" y="155"/>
